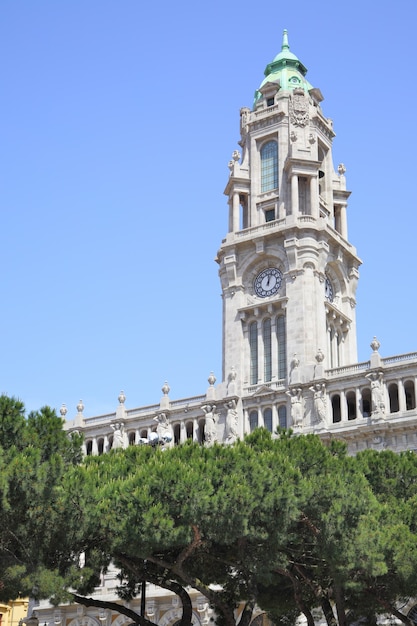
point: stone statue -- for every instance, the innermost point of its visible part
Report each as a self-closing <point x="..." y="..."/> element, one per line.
<point x="210" y="431"/>
<point x="163" y="429"/>
<point x="231" y="421"/>
<point x="296" y="406"/>
<point x="320" y="403"/>
<point x="377" y="393"/>
<point x="118" y="440"/>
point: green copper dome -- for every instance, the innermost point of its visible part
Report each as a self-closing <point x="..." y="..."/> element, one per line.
<point x="286" y="70"/>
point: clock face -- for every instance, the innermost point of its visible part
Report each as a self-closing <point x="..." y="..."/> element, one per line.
<point x="328" y="290"/>
<point x="268" y="282"/>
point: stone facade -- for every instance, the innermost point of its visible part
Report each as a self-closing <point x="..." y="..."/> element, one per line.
<point x="289" y="275"/>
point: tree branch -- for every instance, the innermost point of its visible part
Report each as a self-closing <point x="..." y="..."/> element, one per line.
<point x="391" y="609"/>
<point x="196" y="542"/>
<point x="212" y="596"/>
<point x="113" y="606"/>
<point x="161" y="581"/>
<point x="298" y="596"/>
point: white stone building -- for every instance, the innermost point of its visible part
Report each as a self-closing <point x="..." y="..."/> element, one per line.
<point x="289" y="275"/>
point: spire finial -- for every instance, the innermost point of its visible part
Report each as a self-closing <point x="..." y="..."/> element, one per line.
<point x="285" y="45"/>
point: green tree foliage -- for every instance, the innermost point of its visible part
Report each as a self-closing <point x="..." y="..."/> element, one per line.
<point x="287" y="523"/>
<point x="35" y="453"/>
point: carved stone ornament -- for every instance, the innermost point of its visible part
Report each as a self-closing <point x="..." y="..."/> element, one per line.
<point x="375" y="345"/>
<point x="211" y="379"/>
<point x="299" y="108"/>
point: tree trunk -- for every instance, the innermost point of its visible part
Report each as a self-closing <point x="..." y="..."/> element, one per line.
<point x="328" y="611"/>
<point x="340" y="605"/>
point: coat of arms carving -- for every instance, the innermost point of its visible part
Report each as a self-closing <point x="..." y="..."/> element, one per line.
<point x="299" y="108"/>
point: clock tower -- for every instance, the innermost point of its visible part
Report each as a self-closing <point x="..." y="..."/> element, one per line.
<point x="287" y="269"/>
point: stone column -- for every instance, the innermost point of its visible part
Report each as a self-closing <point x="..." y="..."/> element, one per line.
<point x="343" y="222"/>
<point x="343" y="407"/>
<point x="246" y="428"/>
<point x="402" y="405"/>
<point x="274" y="417"/>
<point x="261" y="352"/>
<point x="195" y="430"/>
<point x="274" y="350"/>
<point x="358" y="403"/>
<point x="330" y="363"/>
<point x="183" y="432"/>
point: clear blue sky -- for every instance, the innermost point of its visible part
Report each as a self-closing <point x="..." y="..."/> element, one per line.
<point x="118" y="119"/>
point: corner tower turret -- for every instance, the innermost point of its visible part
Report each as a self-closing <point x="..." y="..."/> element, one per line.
<point x="287" y="269"/>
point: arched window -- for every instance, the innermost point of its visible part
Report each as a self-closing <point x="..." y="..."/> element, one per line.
<point x="282" y="347"/>
<point x="266" y="334"/>
<point x="89" y="447"/>
<point x="253" y="420"/>
<point x="337" y="416"/>
<point x="282" y="416"/>
<point x="410" y="395"/>
<point x="268" y="419"/>
<point x="351" y="405"/>
<point x="100" y="445"/>
<point x="132" y="438"/>
<point x="177" y="430"/>
<point x="144" y="433"/>
<point x="189" y="430"/>
<point x="253" y="346"/>
<point x="269" y="166"/>
<point x="394" y="406"/>
<point x="366" y="402"/>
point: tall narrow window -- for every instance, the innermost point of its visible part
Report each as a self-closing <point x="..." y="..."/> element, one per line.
<point x="253" y="345"/>
<point x="266" y="332"/>
<point x="394" y="405"/>
<point x="410" y="396"/>
<point x="366" y="402"/>
<point x="268" y="419"/>
<point x="253" y="420"/>
<point x="189" y="430"/>
<point x="269" y="166"/>
<point x="303" y="204"/>
<point x="177" y="434"/>
<point x="351" y="405"/>
<point x="282" y="416"/>
<point x="337" y="414"/>
<point x="282" y="347"/>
